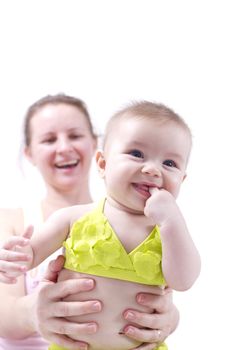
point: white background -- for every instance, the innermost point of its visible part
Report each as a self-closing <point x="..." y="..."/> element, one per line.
<point x="108" y="53"/>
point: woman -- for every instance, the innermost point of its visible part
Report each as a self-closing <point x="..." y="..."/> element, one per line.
<point x="60" y="142"/>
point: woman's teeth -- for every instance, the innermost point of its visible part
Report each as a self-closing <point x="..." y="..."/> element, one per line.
<point x="68" y="164"/>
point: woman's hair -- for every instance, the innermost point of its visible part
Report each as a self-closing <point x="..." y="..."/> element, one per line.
<point x="54" y="100"/>
<point x="144" y="110"/>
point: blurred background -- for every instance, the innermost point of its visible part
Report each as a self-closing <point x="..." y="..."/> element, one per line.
<point x="108" y="53"/>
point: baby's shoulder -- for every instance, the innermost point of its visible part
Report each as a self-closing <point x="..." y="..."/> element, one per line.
<point x="78" y="211"/>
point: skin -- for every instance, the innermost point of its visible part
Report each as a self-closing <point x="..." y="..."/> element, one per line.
<point x="163" y="171"/>
<point x="26" y="315"/>
<point x="144" y="165"/>
<point x="52" y="143"/>
<point x="166" y="314"/>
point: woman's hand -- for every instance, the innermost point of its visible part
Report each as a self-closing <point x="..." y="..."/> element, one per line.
<point x="51" y="310"/>
<point x="156" y="326"/>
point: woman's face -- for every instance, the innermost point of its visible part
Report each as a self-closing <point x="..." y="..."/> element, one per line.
<point x="62" y="146"/>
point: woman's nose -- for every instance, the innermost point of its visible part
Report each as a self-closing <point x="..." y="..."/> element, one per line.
<point x="64" y="145"/>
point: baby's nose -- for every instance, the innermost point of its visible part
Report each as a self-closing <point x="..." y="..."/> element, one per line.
<point x="152" y="169"/>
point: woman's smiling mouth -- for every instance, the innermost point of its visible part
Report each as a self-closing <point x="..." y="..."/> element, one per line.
<point x="67" y="164"/>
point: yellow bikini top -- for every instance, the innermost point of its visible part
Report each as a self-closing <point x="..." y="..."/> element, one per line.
<point x="94" y="248"/>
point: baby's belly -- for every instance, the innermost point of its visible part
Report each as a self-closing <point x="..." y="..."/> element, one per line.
<point x="116" y="296"/>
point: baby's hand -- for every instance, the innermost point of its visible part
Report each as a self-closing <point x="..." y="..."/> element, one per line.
<point x="160" y="206"/>
<point x="15" y="256"/>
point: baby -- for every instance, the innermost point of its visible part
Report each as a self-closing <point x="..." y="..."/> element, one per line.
<point x="136" y="237"/>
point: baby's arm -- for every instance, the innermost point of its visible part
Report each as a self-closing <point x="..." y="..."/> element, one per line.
<point x="180" y="258"/>
<point x="21" y="253"/>
<point x="50" y="236"/>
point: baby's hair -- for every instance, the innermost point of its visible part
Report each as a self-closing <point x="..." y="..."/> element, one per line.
<point x="54" y="100"/>
<point x="144" y="110"/>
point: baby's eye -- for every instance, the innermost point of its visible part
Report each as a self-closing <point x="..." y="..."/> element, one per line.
<point x="136" y="153"/>
<point x="170" y="163"/>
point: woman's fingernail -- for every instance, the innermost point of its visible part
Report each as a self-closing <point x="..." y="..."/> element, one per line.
<point x="91" y="328"/>
<point x="129" y="331"/>
<point x="141" y="298"/>
<point x="130" y="316"/>
<point x="88" y="283"/>
<point x="96" y="306"/>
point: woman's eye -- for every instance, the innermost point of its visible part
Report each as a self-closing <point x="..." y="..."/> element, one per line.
<point x="136" y="153"/>
<point x="75" y="136"/>
<point x="170" y="163"/>
<point x="50" y="140"/>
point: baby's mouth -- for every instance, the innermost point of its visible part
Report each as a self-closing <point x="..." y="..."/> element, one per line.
<point x="142" y="188"/>
<point x="67" y="165"/>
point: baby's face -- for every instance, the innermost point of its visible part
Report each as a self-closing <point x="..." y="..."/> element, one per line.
<point x="144" y="153"/>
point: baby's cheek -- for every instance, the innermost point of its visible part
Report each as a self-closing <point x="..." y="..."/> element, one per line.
<point x="173" y="187"/>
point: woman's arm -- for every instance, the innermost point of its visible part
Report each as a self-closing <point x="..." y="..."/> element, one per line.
<point x="44" y="311"/>
<point x="15" y="309"/>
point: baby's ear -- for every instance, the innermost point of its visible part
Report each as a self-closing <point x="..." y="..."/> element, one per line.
<point x="101" y="163"/>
